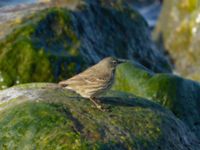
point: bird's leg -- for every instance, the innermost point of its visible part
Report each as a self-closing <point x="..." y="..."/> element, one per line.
<point x="94" y="101"/>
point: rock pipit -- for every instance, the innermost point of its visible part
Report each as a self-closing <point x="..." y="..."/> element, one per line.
<point x="95" y="80"/>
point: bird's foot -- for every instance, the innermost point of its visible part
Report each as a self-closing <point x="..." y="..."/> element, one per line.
<point x="101" y="108"/>
<point x="97" y="104"/>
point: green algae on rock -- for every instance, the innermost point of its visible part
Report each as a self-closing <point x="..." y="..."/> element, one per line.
<point x="43" y="49"/>
<point x="178" y="31"/>
<point x="179" y="95"/>
<point x="56" y="43"/>
<point x="43" y="116"/>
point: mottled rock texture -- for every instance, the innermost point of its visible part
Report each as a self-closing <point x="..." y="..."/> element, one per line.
<point x="56" y="43"/>
<point x="178" y="31"/>
<point x="163" y="115"/>
<point x="177" y="94"/>
<point x="37" y="116"/>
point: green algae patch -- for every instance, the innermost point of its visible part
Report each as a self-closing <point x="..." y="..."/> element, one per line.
<point x="43" y="48"/>
<point x="40" y="127"/>
<point x="60" y="119"/>
<point x="130" y="78"/>
<point x="53" y="44"/>
<point x="177" y="94"/>
<point x="165" y="87"/>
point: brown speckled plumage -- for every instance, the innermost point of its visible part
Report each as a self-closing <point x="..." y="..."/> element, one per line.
<point x="95" y="80"/>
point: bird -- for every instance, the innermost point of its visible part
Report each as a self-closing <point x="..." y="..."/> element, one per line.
<point x="95" y="80"/>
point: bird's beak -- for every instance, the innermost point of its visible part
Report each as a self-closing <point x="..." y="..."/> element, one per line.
<point x="122" y="61"/>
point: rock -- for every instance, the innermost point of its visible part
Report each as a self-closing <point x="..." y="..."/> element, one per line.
<point x="178" y="32"/>
<point x="42" y="116"/>
<point x="56" y="43"/>
<point x="149" y="9"/>
<point x="125" y="3"/>
<point x="177" y="94"/>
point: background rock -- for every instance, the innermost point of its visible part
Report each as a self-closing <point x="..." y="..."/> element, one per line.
<point x="56" y="43"/>
<point x="178" y="30"/>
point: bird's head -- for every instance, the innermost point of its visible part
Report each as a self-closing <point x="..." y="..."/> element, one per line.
<point x="111" y="62"/>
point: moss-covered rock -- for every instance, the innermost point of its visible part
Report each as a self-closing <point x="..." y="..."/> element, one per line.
<point x="178" y="30"/>
<point x="56" y="43"/>
<point x="42" y="116"/>
<point x="179" y="95"/>
<point x="43" y="49"/>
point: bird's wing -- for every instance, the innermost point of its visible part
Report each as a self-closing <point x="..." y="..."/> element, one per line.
<point x="88" y="77"/>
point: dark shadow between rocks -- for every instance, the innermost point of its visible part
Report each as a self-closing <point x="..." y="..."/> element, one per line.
<point x="159" y="41"/>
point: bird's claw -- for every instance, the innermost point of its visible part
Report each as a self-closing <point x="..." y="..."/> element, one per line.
<point x="101" y="108"/>
<point x="98" y="105"/>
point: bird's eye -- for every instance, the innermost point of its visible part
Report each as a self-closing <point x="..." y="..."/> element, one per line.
<point x="114" y="62"/>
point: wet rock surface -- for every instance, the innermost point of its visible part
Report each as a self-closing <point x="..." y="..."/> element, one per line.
<point x="177" y="94"/>
<point x="147" y="108"/>
<point x="37" y="115"/>
<point x="56" y="43"/>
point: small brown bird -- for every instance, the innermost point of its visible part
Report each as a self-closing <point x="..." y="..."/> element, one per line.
<point x="95" y="80"/>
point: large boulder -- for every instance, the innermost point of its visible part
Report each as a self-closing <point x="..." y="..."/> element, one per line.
<point x="178" y="32"/>
<point x="177" y="94"/>
<point x="43" y="116"/>
<point x="55" y="43"/>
